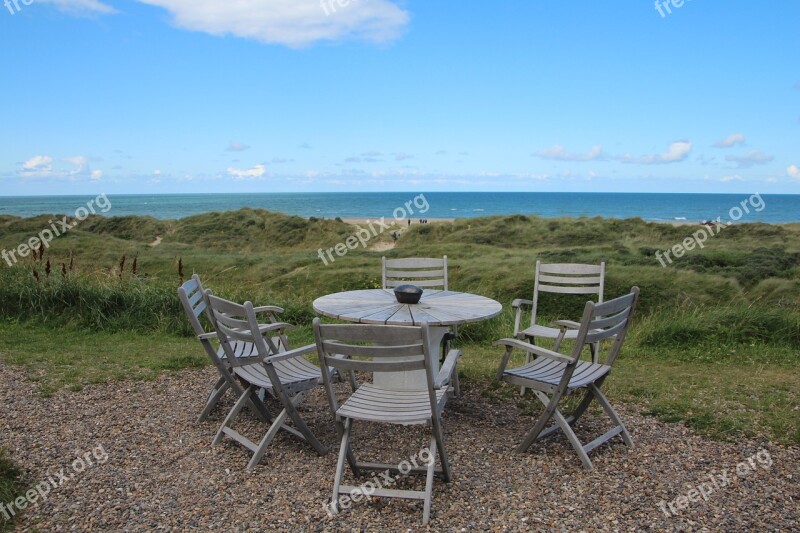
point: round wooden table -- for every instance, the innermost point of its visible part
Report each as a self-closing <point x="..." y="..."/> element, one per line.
<point x="440" y="309"/>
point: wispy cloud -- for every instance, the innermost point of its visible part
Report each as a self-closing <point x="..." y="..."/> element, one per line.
<point x="80" y="163"/>
<point x="558" y="153"/>
<point x="734" y="139"/>
<point x="37" y="166"/>
<point x="727" y="179"/>
<point x="81" y="7"/>
<point x="250" y="173"/>
<point x="402" y="156"/>
<point x="234" y="146"/>
<point x="677" y="152"/>
<point x="751" y="158"/>
<point x="793" y="172"/>
<point x="294" y="23"/>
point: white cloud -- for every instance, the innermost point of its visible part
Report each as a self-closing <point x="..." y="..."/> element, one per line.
<point x="96" y="175"/>
<point x="234" y="146"/>
<point x="731" y="178"/>
<point x="252" y="173"/>
<point x="677" y="151"/>
<point x="402" y="156"/>
<point x="293" y="23"/>
<point x="558" y="153"/>
<point x="38" y="165"/>
<point x="734" y="139"/>
<point x="80" y="163"/>
<point x="793" y="172"/>
<point x="81" y="7"/>
<point x="751" y="158"/>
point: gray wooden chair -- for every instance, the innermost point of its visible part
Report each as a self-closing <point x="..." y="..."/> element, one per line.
<point x="552" y="376"/>
<point x="286" y="374"/>
<point x="194" y="301"/>
<point x="425" y="272"/>
<point x="359" y="343"/>
<point x="554" y="278"/>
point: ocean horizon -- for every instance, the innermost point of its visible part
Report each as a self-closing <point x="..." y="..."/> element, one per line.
<point x="657" y="207"/>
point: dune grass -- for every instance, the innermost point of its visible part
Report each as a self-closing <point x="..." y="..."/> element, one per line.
<point x="715" y="343"/>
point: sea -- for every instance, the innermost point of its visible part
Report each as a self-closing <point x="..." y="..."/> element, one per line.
<point x="672" y="207"/>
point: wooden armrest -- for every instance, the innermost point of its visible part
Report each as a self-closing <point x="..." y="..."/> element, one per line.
<point x="532" y="348"/>
<point x="266" y="308"/>
<point x="446" y="372"/>
<point x="264" y="328"/>
<point x="510" y="344"/>
<point x="291" y="354"/>
<point x="207" y="336"/>
<point x="567" y="324"/>
<point x="519" y="302"/>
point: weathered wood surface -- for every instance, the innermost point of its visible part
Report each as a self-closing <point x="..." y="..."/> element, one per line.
<point x="379" y="306"/>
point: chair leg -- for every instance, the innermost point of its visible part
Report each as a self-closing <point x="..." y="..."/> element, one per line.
<point x="456" y="383"/>
<point x="439" y="436"/>
<point x="426" y="512"/>
<point x="585" y="402"/>
<point x="237" y="408"/>
<point x="551" y="406"/>
<point x="565" y="427"/>
<point x="265" y="442"/>
<point x="337" y="480"/>
<point x="603" y="401"/>
<point x="522" y="389"/>
<point x="573" y="439"/>
<point x="300" y="424"/>
<point x="213" y="399"/>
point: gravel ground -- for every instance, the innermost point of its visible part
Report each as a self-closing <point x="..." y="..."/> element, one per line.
<point x="156" y="469"/>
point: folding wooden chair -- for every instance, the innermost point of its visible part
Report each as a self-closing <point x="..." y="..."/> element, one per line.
<point x="287" y="375"/>
<point x="552" y="376"/>
<point x="352" y="347"/>
<point x="426" y="272"/>
<point x="568" y="278"/>
<point x="192" y="296"/>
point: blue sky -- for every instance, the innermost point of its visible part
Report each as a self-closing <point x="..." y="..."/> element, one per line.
<point x="165" y="96"/>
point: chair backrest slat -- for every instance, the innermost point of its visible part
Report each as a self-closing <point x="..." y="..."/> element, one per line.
<point x="193" y="302"/>
<point x="570" y="268"/>
<point x="388" y="342"/>
<point x="339" y="348"/>
<point x="567" y="290"/>
<point x="414" y="274"/>
<point x="375" y="366"/>
<point x="238" y="322"/>
<point x="415" y="262"/>
<point x="229" y="321"/>
<point x="396" y="335"/>
<point x="608" y="320"/>
<point x="567" y="278"/>
<point x="421" y="271"/>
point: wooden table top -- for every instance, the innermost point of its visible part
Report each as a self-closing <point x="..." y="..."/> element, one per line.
<point x="379" y="306"/>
